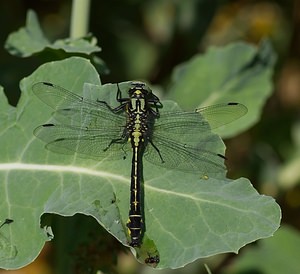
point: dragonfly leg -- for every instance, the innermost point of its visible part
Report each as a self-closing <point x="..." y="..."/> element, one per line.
<point x="157" y="150"/>
<point x="123" y="102"/>
<point x="119" y="97"/>
<point x="125" y="153"/>
<point x="121" y="140"/>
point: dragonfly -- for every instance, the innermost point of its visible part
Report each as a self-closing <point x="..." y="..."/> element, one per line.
<point x="138" y="125"/>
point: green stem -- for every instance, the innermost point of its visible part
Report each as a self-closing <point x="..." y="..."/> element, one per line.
<point x="79" y="18"/>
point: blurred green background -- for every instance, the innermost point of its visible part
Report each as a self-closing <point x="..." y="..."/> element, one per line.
<point x="145" y="40"/>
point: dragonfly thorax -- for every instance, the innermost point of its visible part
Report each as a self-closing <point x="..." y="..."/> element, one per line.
<point x="137" y="120"/>
<point x="138" y="110"/>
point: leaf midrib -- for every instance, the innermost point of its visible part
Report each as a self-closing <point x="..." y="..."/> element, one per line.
<point x="61" y="169"/>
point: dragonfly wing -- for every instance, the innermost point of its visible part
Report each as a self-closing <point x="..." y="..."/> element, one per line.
<point x="59" y="98"/>
<point x="89" y="143"/>
<point x="185" y="142"/>
<point x="181" y="125"/>
<point x="222" y="114"/>
<point x="87" y="127"/>
<point x="190" y="158"/>
<point x="90" y="117"/>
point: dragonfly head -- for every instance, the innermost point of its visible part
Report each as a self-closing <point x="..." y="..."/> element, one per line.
<point x="139" y="90"/>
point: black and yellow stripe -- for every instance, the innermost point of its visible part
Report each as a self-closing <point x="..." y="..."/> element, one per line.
<point x="135" y="221"/>
<point x="139" y="108"/>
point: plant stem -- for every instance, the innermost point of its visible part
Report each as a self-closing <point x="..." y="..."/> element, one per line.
<point x="79" y="18"/>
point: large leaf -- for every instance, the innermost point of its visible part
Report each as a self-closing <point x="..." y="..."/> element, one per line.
<point x="186" y="216"/>
<point x="238" y="72"/>
<point x="30" y="40"/>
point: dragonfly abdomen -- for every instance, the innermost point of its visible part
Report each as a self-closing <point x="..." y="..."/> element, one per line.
<point x="135" y="221"/>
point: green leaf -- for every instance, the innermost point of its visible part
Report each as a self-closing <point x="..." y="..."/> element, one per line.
<point x="30" y="40"/>
<point x="238" y="72"/>
<point x="275" y="255"/>
<point x="186" y="216"/>
<point x="85" y="45"/>
<point x="6" y="111"/>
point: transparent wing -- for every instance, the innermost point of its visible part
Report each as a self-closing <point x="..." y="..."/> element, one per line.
<point x="87" y="128"/>
<point x="185" y="140"/>
<point x="222" y="114"/>
<point x="180" y="156"/>
<point x="59" y="98"/>
<point x="82" y="116"/>
<point x="192" y="123"/>
<point x="187" y="126"/>
<point x="88" y="143"/>
<point x="75" y="110"/>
